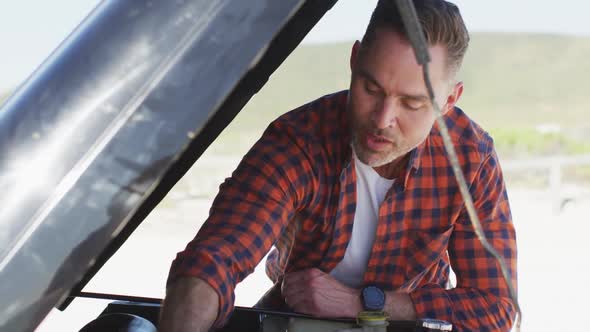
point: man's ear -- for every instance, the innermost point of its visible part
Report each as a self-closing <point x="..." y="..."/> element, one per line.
<point x="354" y="54"/>
<point x="453" y="97"/>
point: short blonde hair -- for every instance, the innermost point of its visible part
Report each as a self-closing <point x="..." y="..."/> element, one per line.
<point x="441" y="22"/>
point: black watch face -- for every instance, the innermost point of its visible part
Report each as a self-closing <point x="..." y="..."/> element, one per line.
<point x="373" y="298"/>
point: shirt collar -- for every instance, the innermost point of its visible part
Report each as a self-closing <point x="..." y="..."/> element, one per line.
<point x="416" y="156"/>
<point x="414" y="161"/>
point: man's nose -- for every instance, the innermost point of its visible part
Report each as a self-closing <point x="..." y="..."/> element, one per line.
<point x="386" y="114"/>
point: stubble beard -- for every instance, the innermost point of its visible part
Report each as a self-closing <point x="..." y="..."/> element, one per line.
<point x="373" y="158"/>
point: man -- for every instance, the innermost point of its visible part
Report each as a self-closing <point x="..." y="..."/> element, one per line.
<point x="355" y="190"/>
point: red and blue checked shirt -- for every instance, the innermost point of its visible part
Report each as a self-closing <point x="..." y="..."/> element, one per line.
<point x="295" y="189"/>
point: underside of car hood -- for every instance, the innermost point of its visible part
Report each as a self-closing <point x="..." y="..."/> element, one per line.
<point x="94" y="140"/>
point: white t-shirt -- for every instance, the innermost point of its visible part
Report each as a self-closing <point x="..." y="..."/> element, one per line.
<point x="371" y="189"/>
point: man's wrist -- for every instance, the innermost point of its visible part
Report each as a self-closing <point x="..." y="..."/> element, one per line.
<point x="399" y="306"/>
<point x="190" y="305"/>
<point x="357" y="304"/>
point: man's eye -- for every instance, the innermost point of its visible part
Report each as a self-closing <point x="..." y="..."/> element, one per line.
<point x="412" y="106"/>
<point x="371" y="88"/>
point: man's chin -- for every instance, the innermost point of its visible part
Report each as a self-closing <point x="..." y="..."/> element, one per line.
<point x="374" y="159"/>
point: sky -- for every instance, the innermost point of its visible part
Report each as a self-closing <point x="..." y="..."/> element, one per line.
<point x="31" y="29"/>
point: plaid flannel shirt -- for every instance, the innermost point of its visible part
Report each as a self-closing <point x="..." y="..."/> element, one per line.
<point x="295" y="189"/>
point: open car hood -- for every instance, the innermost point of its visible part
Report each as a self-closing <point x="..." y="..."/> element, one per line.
<point x="93" y="141"/>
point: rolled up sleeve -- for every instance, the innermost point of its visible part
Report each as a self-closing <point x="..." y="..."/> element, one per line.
<point x="481" y="300"/>
<point x="248" y="215"/>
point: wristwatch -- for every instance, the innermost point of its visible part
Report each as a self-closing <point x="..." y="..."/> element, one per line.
<point x="373" y="298"/>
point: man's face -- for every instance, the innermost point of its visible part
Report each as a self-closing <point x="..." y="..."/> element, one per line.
<point x="388" y="105"/>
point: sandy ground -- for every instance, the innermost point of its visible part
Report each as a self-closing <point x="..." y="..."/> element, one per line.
<point x="553" y="267"/>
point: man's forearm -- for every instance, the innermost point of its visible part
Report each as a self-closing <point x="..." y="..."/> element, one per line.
<point x="399" y="306"/>
<point x="190" y="305"/>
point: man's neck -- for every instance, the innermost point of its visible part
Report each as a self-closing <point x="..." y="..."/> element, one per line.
<point x="393" y="169"/>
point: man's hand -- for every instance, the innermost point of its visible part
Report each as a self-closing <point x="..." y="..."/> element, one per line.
<point x="317" y="293"/>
